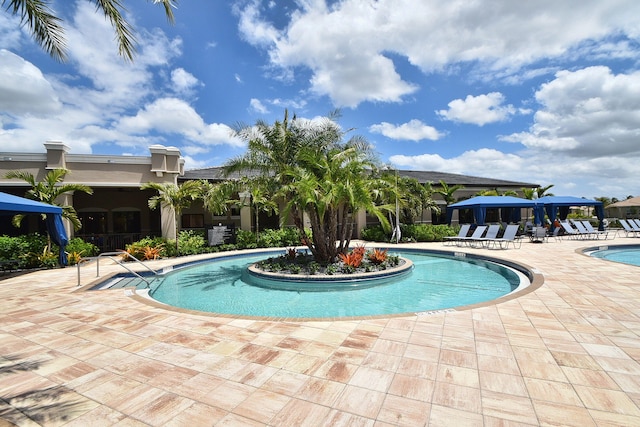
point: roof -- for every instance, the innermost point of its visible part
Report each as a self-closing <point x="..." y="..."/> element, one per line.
<point x="215" y="174"/>
<point x="629" y="203"/>
<point x="493" y="202"/>
<point x="13" y="204"/>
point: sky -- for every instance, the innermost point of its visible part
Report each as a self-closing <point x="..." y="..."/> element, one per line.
<point x="540" y="92"/>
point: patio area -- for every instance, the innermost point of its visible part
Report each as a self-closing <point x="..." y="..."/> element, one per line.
<point x="567" y="353"/>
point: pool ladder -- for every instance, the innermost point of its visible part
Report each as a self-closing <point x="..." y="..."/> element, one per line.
<point x="117" y="258"/>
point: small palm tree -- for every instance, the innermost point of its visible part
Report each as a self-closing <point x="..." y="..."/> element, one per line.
<point x="48" y="191"/>
<point x="175" y="197"/>
<point x="447" y="191"/>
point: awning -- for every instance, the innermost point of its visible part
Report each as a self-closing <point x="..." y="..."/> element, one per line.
<point x="11" y="205"/>
<point x="480" y="204"/>
<point x="559" y="206"/>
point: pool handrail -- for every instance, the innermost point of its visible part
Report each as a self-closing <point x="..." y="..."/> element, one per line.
<point x="117" y="260"/>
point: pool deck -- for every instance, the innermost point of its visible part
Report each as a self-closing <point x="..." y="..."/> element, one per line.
<point x="567" y="353"/>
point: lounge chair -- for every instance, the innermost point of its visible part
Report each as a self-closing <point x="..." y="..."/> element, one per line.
<point x="597" y="233"/>
<point x="637" y="221"/>
<point x="509" y="236"/>
<point x="464" y="230"/>
<point x="628" y="229"/>
<point x="477" y="234"/>
<point x="492" y="234"/>
<point x="570" y="231"/>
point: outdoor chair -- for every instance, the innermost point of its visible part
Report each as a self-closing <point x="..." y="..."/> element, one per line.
<point x="464" y="230"/>
<point x="597" y="233"/>
<point x="628" y="229"/>
<point x="538" y="235"/>
<point x="492" y="234"/>
<point x="571" y="232"/>
<point x="477" y="234"/>
<point x="509" y="236"/>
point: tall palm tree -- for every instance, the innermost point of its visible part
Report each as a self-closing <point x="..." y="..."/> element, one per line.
<point x="47" y="29"/>
<point x="48" y="191"/>
<point x="175" y="197"/>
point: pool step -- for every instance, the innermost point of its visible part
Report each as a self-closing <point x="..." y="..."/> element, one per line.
<point x="128" y="282"/>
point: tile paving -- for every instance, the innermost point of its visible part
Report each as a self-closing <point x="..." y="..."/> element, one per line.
<point x="567" y="353"/>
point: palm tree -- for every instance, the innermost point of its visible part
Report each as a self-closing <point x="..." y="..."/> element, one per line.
<point x="447" y="191"/>
<point x="175" y="197"/>
<point x="48" y="191"/>
<point x="47" y="30"/>
<point x="217" y="198"/>
<point x="315" y="173"/>
<point x="542" y="191"/>
<point x="262" y="201"/>
<point x="330" y="184"/>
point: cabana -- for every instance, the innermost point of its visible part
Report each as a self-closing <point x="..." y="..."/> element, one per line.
<point x="559" y="206"/>
<point x="12" y="205"/>
<point x="480" y="204"/>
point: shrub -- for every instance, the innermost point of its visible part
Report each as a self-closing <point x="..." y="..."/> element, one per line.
<point x="375" y="234"/>
<point x="79" y="246"/>
<point x="410" y="232"/>
<point x="191" y="243"/>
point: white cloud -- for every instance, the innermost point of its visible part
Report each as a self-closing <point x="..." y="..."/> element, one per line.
<point x="107" y="100"/>
<point x="592" y="177"/>
<point x="413" y="130"/>
<point x="175" y="116"/>
<point x="183" y="80"/>
<point x="478" y="110"/>
<point x="345" y="44"/>
<point x="23" y="88"/>
<point x="257" y="106"/>
<point x="586" y="113"/>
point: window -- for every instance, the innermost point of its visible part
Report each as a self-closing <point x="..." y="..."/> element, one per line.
<point x="93" y="222"/>
<point x="193" y="221"/>
<point x="126" y="222"/>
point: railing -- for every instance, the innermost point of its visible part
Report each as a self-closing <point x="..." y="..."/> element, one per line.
<point x="117" y="260"/>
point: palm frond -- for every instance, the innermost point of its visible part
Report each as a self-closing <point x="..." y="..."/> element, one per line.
<point x="44" y="26"/>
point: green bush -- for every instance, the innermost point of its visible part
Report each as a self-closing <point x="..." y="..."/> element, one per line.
<point x="246" y="239"/>
<point x="410" y="232"/>
<point x="11" y="251"/>
<point x="191" y="243"/>
<point x="78" y="245"/>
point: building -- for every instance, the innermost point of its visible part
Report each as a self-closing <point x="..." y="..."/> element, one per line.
<point x="118" y="213"/>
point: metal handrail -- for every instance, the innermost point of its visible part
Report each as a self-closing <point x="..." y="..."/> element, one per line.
<point x="111" y="255"/>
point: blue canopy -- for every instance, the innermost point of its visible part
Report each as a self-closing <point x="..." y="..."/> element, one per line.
<point x="480" y="204"/>
<point x="558" y="206"/>
<point x="11" y="205"/>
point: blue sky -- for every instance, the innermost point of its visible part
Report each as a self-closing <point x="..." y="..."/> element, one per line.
<point x="542" y="92"/>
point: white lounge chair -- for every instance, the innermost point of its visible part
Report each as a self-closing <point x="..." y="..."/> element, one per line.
<point x="477" y="234"/>
<point x="492" y="234"/>
<point x="570" y="231"/>
<point x="509" y="236"/>
<point x="597" y="233"/>
<point x="628" y="229"/>
<point x="464" y="230"/>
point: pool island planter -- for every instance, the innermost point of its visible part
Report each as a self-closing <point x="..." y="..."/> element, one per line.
<point x="326" y="282"/>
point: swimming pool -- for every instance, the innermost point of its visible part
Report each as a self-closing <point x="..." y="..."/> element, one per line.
<point x="626" y="255"/>
<point x="438" y="281"/>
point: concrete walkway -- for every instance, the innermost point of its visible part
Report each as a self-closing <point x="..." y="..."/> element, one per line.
<point x="567" y="353"/>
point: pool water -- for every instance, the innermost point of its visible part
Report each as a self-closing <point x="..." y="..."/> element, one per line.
<point x="437" y="282"/>
<point x="623" y="255"/>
